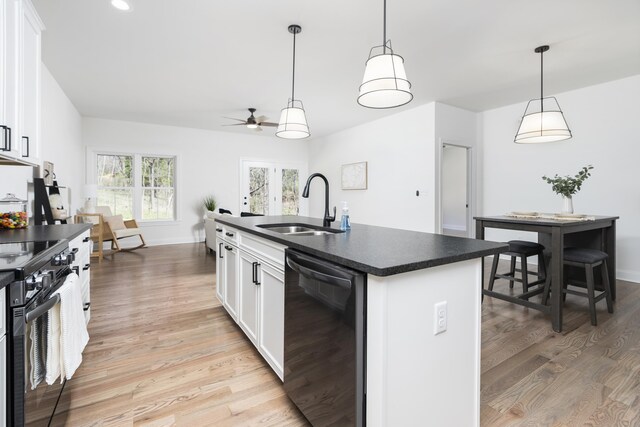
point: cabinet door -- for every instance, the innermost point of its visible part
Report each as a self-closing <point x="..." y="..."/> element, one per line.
<point x="10" y="18"/>
<point x="3" y="317"/>
<point x="28" y="140"/>
<point x="220" y="260"/>
<point x="231" y="267"/>
<point x="3" y="380"/>
<point x="272" y="317"/>
<point x="249" y="296"/>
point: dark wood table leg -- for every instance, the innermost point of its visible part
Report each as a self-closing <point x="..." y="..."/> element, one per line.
<point x="480" y="236"/>
<point x="611" y="250"/>
<point x="557" y="256"/>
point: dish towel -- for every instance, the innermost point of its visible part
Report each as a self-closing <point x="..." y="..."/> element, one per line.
<point x="53" y="346"/>
<point x="73" y="328"/>
<point x="37" y="335"/>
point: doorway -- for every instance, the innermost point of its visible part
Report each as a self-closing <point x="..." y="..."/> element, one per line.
<point x="455" y="190"/>
<point x="269" y="188"/>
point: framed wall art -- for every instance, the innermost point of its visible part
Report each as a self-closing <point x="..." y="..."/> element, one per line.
<point x="354" y="176"/>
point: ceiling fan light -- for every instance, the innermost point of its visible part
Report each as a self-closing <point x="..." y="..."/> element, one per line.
<point x="385" y="83"/>
<point x="252" y="126"/>
<point x="121" y="5"/>
<point x="546" y="125"/>
<point x="293" y="122"/>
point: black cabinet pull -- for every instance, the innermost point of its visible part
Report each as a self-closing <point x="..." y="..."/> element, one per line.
<point x="25" y="138"/>
<point x="86" y="267"/>
<point x="85" y="240"/>
<point x="220" y="251"/>
<point x="74" y="250"/>
<point x="76" y="270"/>
<point x="255" y="268"/>
<point x="86" y="306"/>
<point x="219" y="230"/>
<point x="253" y="272"/>
<point x="228" y="248"/>
<point x="6" y="146"/>
<point x="229" y="234"/>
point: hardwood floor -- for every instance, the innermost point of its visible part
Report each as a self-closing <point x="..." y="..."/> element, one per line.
<point x="164" y="352"/>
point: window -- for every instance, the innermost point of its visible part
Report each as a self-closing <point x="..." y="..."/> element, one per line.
<point x="137" y="186"/>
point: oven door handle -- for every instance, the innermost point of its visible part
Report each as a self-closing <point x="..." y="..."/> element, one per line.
<point x="42" y="309"/>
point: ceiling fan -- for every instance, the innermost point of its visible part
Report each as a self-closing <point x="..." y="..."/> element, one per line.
<point x="253" y="122"/>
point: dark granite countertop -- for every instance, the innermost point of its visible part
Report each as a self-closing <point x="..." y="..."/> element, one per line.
<point x="43" y="232"/>
<point x="376" y="250"/>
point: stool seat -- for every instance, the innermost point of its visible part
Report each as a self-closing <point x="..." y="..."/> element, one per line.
<point x="584" y="256"/>
<point x="526" y="248"/>
<point x="520" y="249"/>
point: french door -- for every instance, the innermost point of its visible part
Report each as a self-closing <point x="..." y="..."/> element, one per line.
<point x="269" y="188"/>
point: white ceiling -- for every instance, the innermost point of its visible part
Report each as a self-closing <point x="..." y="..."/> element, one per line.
<point x="190" y="62"/>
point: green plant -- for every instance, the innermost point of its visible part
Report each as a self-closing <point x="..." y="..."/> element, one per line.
<point x="567" y="185"/>
<point x="210" y="203"/>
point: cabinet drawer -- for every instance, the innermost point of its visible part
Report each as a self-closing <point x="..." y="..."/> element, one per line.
<point x="230" y="234"/>
<point x="268" y="251"/>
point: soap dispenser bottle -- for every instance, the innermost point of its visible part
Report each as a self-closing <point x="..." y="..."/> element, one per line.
<point x="345" y="222"/>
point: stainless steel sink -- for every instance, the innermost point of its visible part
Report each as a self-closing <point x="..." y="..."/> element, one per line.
<point x="299" y="229"/>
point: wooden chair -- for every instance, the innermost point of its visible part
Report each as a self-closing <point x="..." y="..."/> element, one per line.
<point x="114" y="229"/>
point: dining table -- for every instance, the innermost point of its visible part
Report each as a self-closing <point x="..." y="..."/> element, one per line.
<point x="557" y="232"/>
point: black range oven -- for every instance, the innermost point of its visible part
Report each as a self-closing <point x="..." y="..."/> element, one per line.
<point x="40" y="269"/>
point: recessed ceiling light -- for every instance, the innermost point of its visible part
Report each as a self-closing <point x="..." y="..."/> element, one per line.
<point x="121" y="4"/>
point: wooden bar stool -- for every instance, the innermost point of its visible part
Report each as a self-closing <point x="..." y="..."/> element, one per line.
<point x="587" y="259"/>
<point x="523" y="250"/>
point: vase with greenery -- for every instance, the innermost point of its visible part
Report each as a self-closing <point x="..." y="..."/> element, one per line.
<point x="209" y="203"/>
<point x="567" y="186"/>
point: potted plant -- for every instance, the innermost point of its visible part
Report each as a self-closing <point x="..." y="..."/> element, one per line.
<point x="567" y="186"/>
<point x="209" y="203"/>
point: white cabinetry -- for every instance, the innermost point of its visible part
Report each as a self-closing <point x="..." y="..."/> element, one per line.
<point x="227" y="270"/>
<point x="81" y="246"/>
<point x="3" y="360"/>
<point x="20" y="29"/>
<point x="257" y="270"/>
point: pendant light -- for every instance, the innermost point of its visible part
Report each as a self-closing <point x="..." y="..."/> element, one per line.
<point x="385" y="83"/>
<point x="293" y="120"/>
<point x="546" y="123"/>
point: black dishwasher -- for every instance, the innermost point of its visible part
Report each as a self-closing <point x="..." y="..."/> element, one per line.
<point x="324" y="340"/>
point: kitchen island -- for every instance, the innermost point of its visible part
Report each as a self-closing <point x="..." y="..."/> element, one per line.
<point x="413" y="375"/>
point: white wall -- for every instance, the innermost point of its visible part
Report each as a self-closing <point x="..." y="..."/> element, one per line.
<point x="400" y="151"/>
<point x="61" y="144"/>
<point x="605" y="125"/>
<point x="208" y="164"/>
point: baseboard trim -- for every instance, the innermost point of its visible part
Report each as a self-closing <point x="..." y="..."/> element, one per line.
<point x="628" y="275"/>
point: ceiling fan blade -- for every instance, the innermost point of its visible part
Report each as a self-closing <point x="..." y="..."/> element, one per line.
<point x="261" y="119"/>
<point x="233" y="118"/>
<point x="258" y="129"/>
<point x="269" y="124"/>
<point x="235" y="124"/>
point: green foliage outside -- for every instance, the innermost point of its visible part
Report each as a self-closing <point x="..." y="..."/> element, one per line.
<point x="568" y="185"/>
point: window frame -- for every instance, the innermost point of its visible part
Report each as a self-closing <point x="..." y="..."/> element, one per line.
<point x="91" y="175"/>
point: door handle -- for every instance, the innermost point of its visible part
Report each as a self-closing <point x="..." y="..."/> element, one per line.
<point x="220" y="251"/>
<point x="7" y="138"/>
<point x="42" y="309"/>
<point x="25" y="138"/>
<point x="255" y="273"/>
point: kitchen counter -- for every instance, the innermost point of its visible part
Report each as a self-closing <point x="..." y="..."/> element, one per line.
<point x="43" y="232"/>
<point x="379" y="251"/>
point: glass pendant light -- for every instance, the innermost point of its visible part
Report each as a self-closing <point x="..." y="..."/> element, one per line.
<point x="293" y="120"/>
<point x="543" y="120"/>
<point x="385" y="83"/>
